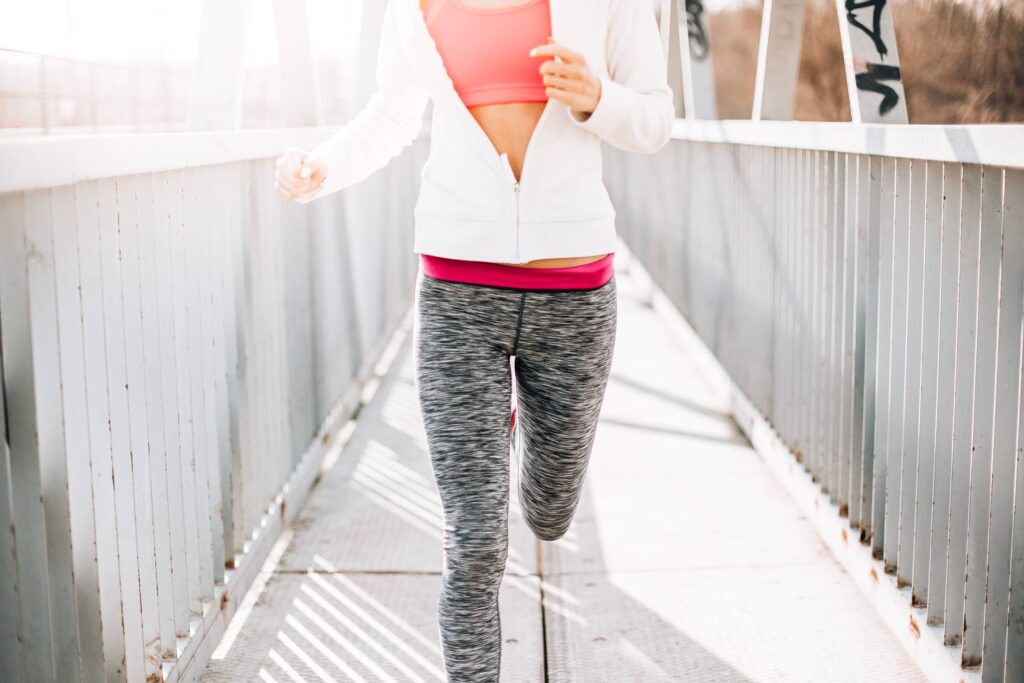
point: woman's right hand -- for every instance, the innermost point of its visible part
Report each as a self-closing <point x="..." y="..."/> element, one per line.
<point x="298" y="174"/>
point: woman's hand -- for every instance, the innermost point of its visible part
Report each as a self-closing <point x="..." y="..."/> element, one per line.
<point x="570" y="81"/>
<point x="298" y="174"/>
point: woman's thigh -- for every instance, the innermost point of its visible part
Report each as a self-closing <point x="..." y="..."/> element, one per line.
<point x="563" y="361"/>
<point x="462" y="338"/>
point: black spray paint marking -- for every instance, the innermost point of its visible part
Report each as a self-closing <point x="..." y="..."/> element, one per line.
<point x="875" y="32"/>
<point x="695" y="29"/>
<point x="871" y="81"/>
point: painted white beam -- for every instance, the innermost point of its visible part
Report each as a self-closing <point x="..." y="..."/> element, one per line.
<point x="698" y="72"/>
<point x="873" y="77"/>
<point x="216" y="102"/>
<point x="295" y="54"/>
<point x="778" y="59"/>
<point x="989" y="144"/>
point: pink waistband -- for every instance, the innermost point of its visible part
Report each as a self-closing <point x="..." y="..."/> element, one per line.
<point x="586" y="276"/>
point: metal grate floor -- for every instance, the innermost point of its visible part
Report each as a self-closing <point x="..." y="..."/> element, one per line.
<point x="686" y="560"/>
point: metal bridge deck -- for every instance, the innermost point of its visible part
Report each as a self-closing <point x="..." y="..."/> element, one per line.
<point x="686" y="561"/>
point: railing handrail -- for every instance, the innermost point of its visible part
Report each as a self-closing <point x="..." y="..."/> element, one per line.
<point x="41" y="162"/>
<point x="992" y="144"/>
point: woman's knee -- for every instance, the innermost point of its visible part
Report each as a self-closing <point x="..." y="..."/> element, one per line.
<point x="476" y="560"/>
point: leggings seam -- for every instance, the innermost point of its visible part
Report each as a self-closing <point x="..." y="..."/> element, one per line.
<point x="519" y="323"/>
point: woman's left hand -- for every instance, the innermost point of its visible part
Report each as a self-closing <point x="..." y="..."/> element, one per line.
<point x="570" y="81"/>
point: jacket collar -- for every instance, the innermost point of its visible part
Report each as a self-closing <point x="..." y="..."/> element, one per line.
<point x="426" y="61"/>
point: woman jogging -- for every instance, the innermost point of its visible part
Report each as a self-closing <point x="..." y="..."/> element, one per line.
<point x="516" y="236"/>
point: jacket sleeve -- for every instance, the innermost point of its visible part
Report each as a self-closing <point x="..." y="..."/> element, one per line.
<point x="635" y="111"/>
<point x="388" y="123"/>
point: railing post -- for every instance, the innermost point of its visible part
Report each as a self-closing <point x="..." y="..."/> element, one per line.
<point x="216" y="102"/>
<point x="690" y="28"/>
<point x="11" y="666"/>
<point x="778" y="59"/>
<point x="873" y="78"/>
<point x="298" y="86"/>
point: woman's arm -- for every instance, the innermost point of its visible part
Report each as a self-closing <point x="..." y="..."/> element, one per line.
<point x="387" y="124"/>
<point x="635" y="111"/>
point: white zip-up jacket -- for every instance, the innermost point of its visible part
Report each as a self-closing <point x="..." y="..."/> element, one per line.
<point x="470" y="205"/>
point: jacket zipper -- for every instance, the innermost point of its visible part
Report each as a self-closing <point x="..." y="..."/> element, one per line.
<point x="516" y="190"/>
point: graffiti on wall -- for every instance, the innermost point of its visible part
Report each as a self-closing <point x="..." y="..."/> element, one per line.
<point x="871" y="75"/>
<point x="695" y="28"/>
<point x="875" y="31"/>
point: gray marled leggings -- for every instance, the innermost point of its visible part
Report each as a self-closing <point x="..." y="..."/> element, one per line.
<point x="464" y="335"/>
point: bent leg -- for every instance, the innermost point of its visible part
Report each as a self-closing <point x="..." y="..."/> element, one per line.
<point x="562" y="365"/>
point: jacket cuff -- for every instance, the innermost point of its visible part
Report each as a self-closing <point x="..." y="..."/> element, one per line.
<point x="612" y="108"/>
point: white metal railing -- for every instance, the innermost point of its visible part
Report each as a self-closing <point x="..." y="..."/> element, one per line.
<point x="178" y="343"/>
<point x="862" y="286"/>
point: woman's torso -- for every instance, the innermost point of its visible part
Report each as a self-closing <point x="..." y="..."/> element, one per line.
<point x="509" y="126"/>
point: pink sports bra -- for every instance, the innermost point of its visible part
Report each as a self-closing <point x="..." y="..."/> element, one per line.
<point x="486" y="51"/>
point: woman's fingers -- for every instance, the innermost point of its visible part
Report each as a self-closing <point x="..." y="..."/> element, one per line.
<point x="284" y="190"/>
<point x="557" y="50"/>
<point x="563" y="83"/>
<point x="298" y="173"/>
<point x="317" y="169"/>
<point x="569" y="80"/>
<point x="562" y="69"/>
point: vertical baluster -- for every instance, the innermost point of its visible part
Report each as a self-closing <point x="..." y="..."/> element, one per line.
<point x="894" y="534"/>
<point x="111" y="196"/>
<point x="912" y="372"/>
<point x="138" y="427"/>
<point x="76" y="431"/>
<point x="883" y="373"/>
<point x="156" y="408"/>
<point x="208" y="222"/>
<point x="1015" y="635"/>
<point x="166" y="195"/>
<point x="789" y="224"/>
<point x="963" y="396"/>
<point x="848" y="220"/>
<point x="186" y="405"/>
<point x="931" y="248"/>
<point x="1004" y="429"/>
<point x="224" y="350"/>
<point x="860" y="215"/>
<point x="25" y="459"/>
<point x="11" y="666"/>
<point x="766" y="166"/>
<point x="240" y="368"/>
<point x="834" y="225"/>
<point x="194" y="200"/>
<point x="808" y="316"/>
<point x="870" y="223"/>
<point x="100" y="445"/>
<point x="803" y="291"/>
<point x="816" y="245"/>
<point x="984" y="410"/>
<point x="946" y="335"/>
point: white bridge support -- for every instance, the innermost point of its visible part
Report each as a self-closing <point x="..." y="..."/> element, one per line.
<point x="872" y="62"/>
<point x="217" y="90"/>
<point x="873" y="79"/>
<point x="690" y="71"/>
<point x="216" y="102"/>
<point x="778" y="59"/>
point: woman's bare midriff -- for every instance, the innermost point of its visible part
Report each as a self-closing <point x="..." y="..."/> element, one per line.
<point x="509" y="126"/>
